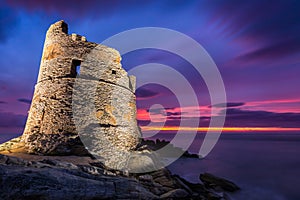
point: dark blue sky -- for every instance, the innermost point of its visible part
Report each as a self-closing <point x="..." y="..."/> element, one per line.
<point x="255" y="44"/>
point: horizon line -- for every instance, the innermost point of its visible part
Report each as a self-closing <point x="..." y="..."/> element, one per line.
<point x="223" y="129"/>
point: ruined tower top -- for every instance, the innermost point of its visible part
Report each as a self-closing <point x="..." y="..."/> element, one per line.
<point x="60" y="45"/>
<point x="50" y="127"/>
<point x="60" y="26"/>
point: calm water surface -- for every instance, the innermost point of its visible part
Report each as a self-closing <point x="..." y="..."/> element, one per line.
<point x="265" y="165"/>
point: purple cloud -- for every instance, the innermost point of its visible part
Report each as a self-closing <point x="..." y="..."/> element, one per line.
<point x="238" y="117"/>
<point x="263" y="30"/>
<point x="228" y="105"/>
<point x="9" y="120"/>
<point x="143" y="93"/>
<point x="23" y="100"/>
<point x="281" y="49"/>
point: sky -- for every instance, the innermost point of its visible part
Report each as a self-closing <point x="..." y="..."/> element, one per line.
<point x="255" y="45"/>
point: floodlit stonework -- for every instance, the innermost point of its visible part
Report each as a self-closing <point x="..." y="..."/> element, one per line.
<point x="50" y="127"/>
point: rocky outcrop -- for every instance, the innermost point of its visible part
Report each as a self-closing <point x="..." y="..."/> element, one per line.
<point x="73" y="177"/>
<point x="212" y="181"/>
<point x="175" y="151"/>
<point x="52" y="179"/>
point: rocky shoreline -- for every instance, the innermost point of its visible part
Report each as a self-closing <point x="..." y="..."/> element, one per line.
<point x="158" y="144"/>
<point x="24" y="176"/>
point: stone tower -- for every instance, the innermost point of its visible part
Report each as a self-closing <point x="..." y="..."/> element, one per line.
<point x="50" y="127"/>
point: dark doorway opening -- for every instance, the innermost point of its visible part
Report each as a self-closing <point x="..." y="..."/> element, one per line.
<point x="75" y="68"/>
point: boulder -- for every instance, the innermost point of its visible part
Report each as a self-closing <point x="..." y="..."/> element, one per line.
<point x="177" y="193"/>
<point x="212" y="181"/>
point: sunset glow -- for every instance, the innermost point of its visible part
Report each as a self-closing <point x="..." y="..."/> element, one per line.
<point x="258" y="63"/>
<point x="223" y="129"/>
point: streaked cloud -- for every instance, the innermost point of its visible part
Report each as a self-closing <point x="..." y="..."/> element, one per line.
<point x="23" y="100"/>
<point x="235" y="117"/>
<point x="143" y="93"/>
<point x="228" y="104"/>
<point x="9" y="119"/>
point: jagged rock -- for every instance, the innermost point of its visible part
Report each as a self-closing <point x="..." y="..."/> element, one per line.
<point x="175" y="194"/>
<point x="158" y="144"/>
<point x="212" y="181"/>
<point x="53" y="179"/>
<point x="146" y="177"/>
<point x="65" y="177"/>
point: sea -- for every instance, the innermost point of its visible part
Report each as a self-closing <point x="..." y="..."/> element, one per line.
<point x="265" y="165"/>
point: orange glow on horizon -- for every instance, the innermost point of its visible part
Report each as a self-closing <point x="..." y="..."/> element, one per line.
<point x="223" y="129"/>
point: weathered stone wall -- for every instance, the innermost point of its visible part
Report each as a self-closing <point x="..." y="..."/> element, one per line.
<point x="50" y="127"/>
